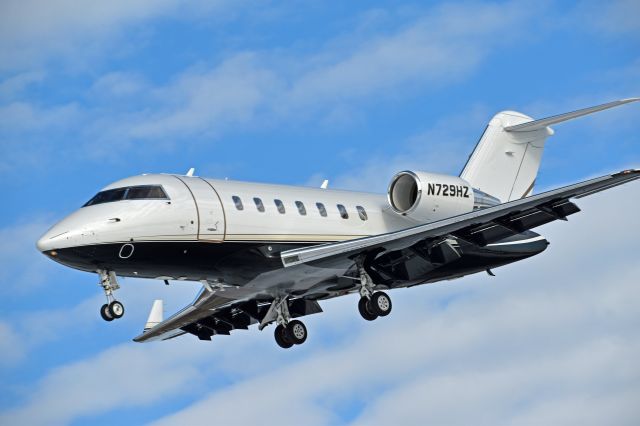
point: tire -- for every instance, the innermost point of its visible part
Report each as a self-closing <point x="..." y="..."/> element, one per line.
<point x="282" y="337"/>
<point x="380" y="304"/>
<point x="105" y="314"/>
<point x="116" y="309"/>
<point x="297" y="332"/>
<point x="364" y="309"/>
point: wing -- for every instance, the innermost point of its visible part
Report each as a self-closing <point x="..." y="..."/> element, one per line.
<point x="211" y="314"/>
<point x="480" y="227"/>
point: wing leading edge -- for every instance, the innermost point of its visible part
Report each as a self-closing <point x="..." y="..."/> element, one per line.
<point x="479" y="227"/>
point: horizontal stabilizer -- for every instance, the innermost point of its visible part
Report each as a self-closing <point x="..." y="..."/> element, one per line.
<point x="544" y="122"/>
<point x="156" y="314"/>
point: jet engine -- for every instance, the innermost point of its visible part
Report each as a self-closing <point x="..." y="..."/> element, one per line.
<point x="427" y="197"/>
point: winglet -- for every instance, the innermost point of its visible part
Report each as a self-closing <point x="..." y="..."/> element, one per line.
<point x="325" y="184"/>
<point x="544" y="122"/>
<point x="156" y="314"/>
<point x="190" y="172"/>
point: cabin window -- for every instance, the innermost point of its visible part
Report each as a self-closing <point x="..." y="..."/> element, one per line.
<point x="321" y="209"/>
<point x="279" y="206"/>
<point x="238" y="202"/>
<point x="138" y="192"/>
<point x="259" y="204"/>
<point x="343" y="211"/>
<point x="362" y="213"/>
<point x="301" y="209"/>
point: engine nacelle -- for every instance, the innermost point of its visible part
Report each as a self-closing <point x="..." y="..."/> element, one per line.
<point x="427" y="197"/>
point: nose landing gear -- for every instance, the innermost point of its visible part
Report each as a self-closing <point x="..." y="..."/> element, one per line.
<point x="109" y="283"/>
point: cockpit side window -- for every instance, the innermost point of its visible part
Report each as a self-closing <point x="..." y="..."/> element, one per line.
<point x="139" y="192"/>
<point x="146" y="192"/>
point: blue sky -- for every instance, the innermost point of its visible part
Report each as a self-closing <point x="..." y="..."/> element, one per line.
<point x="295" y="93"/>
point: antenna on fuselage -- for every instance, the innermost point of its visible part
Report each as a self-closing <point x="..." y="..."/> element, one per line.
<point x="190" y="172"/>
<point x="325" y="183"/>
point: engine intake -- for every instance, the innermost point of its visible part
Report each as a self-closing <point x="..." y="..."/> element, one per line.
<point x="427" y="197"/>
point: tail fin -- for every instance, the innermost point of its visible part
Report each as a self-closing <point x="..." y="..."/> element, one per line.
<point x="506" y="160"/>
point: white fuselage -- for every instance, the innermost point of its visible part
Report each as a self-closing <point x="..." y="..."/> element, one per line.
<point x="206" y="210"/>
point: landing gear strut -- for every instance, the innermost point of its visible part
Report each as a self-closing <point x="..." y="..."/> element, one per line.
<point x="372" y="304"/>
<point x="109" y="283"/>
<point x="288" y="332"/>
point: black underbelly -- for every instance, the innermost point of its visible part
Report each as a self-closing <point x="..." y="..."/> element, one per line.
<point x="236" y="262"/>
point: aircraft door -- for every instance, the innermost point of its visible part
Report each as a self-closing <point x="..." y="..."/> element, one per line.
<point x="211" y="226"/>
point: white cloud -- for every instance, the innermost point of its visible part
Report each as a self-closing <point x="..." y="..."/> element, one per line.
<point x="12" y="86"/>
<point x="613" y="18"/>
<point x="118" y="84"/>
<point x="20" y="270"/>
<point x="124" y="376"/>
<point x="442" y="148"/>
<point x="34" y="31"/>
<point x="11" y="346"/>
<point x="20" y="116"/>
<point x="257" y="89"/>
<point x="443" y="45"/>
<point x="199" y="102"/>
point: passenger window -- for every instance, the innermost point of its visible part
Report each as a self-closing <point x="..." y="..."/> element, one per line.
<point x="343" y="211"/>
<point x="301" y="209"/>
<point x="321" y="209"/>
<point x="280" y="206"/>
<point x="362" y="213"/>
<point x="238" y="202"/>
<point x="259" y="204"/>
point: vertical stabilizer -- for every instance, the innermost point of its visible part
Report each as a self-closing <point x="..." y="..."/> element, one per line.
<point x="506" y="160"/>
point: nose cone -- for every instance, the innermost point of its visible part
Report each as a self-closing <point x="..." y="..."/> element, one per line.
<point x="51" y="239"/>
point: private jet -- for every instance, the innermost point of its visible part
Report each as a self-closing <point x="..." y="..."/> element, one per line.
<point x="268" y="254"/>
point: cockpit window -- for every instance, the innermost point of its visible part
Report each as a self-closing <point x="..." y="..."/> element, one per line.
<point x="145" y="193"/>
<point x="140" y="192"/>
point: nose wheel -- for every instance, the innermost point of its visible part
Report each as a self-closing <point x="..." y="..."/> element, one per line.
<point x="112" y="309"/>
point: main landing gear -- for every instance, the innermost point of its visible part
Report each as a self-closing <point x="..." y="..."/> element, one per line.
<point x="109" y="283"/>
<point x="288" y="332"/>
<point x="372" y="304"/>
<point x="294" y="333"/>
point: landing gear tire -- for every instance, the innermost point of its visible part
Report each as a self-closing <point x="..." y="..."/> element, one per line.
<point x="365" y="309"/>
<point x="380" y="304"/>
<point x="282" y="337"/>
<point x="105" y="314"/>
<point x="116" y="309"/>
<point x="297" y="332"/>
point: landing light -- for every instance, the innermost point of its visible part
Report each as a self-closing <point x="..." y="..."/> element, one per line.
<point x="53" y="253"/>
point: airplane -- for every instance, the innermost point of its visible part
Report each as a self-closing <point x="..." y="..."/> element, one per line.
<point x="267" y="254"/>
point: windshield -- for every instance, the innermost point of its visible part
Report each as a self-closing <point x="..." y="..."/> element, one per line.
<point x="140" y="192"/>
